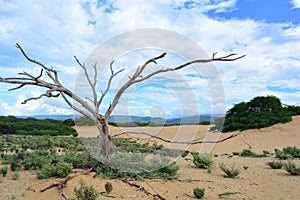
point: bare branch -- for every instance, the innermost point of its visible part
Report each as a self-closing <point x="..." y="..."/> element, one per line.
<point x="137" y="76"/>
<point x="49" y="70"/>
<point x="48" y="94"/>
<point x="32" y="60"/>
<point x="175" y="142"/>
<point x="75" y="107"/>
<point x="113" y="74"/>
<point x="91" y="83"/>
<point x="18" y="87"/>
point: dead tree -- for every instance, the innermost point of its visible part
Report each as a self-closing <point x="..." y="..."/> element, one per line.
<point x="54" y="88"/>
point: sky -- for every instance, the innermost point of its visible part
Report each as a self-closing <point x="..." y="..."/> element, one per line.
<point x="53" y="31"/>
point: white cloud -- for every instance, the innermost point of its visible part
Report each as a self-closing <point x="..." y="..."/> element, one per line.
<point x="34" y="107"/>
<point x="53" y="33"/>
<point x="295" y="3"/>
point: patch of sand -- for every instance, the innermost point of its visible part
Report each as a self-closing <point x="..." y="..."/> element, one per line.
<point x="258" y="181"/>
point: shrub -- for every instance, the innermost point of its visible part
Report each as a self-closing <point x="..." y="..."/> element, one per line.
<point x="246" y="167"/>
<point x="15" y="175"/>
<point x="231" y="172"/>
<point x="199" y="193"/>
<point x="294" y="152"/>
<point x="202" y="160"/>
<point x="63" y="169"/>
<point x="275" y="164"/>
<point x="137" y="166"/>
<point x="78" y="160"/>
<point x="85" y="192"/>
<point x="185" y="153"/>
<point x="15" y="166"/>
<point x="258" y="113"/>
<point x="47" y="171"/>
<point x="281" y="155"/>
<point x="292" y="168"/>
<point x="247" y="153"/>
<point x="4" y="171"/>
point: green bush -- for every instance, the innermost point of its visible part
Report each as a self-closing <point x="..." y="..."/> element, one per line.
<point x="78" y="160"/>
<point x="203" y="161"/>
<point x="257" y="113"/>
<point x="294" y="152"/>
<point x="15" y="175"/>
<point x="292" y="168"/>
<point x="61" y="169"/>
<point x="85" y="192"/>
<point x="199" y="193"/>
<point x="231" y="172"/>
<point x="4" y="171"/>
<point x="47" y="171"/>
<point x="249" y="153"/>
<point x="275" y="164"/>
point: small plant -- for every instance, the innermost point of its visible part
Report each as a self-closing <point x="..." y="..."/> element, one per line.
<point x="108" y="187"/>
<point x="15" y="175"/>
<point x="63" y="169"/>
<point x="246" y="167"/>
<point x="248" y="153"/>
<point x="199" y="193"/>
<point x="60" y="170"/>
<point x="235" y="153"/>
<point x="292" y="168"/>
<point x="281" y="155"/>
<point x="47" y="171"/>
<point x="4" y="171"/>
<point x="275" y="164"/>
<point x="294" y="152"/>
<point x="85" y="192"/>
<point x="185" y="153"/>
<point x="231" y="172"/>
<point x="227" y="194"/>
<point x="266" y="152"/>
<point x="203" y="161"/>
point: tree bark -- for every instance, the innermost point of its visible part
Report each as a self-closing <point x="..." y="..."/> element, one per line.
<point x="102" y="126"/>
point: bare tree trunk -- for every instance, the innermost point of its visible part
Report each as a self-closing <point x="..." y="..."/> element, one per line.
<point x="102" y="126"/>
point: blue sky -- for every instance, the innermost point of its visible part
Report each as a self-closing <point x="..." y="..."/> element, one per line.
<point x="53" y="31"/>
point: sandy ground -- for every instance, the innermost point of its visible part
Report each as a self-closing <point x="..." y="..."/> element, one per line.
<point x="258" y="181"/>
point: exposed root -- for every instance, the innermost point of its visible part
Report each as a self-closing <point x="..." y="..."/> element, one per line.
<point x="141" y="188"/>
<point x="62" y="184"/>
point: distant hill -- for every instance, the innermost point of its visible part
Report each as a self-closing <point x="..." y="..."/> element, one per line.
<point x="122" y="119"/>
<point x="55" y="117"/>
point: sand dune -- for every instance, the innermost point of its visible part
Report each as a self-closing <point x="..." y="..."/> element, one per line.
<point x="277" y="136"/>
<point x="256" y="182"/>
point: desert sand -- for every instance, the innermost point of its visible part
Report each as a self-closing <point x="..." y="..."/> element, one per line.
<point x="256" y="180"/>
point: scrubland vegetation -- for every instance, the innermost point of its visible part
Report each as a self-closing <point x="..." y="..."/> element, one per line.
<point x="259" y="112"/>
<point x="23" y="147"/>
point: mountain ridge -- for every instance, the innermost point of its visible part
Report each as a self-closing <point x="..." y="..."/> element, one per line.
<point x="141" y="119"/>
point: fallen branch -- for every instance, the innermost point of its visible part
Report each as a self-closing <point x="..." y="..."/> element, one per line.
<point x="193" y="180"/>
<point x="62" y="184"/>
<point x="250" y="147"/>
<point x="192" y="142"/>
<point x="106" y="195"/>
<point x="141" y="188"/>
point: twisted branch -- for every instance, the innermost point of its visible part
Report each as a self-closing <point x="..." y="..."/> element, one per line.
<point x="192" y="142"/>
